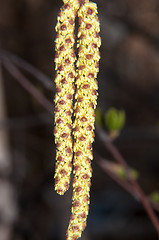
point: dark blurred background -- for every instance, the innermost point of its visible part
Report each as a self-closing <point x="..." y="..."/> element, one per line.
<point x="128" y="79"/>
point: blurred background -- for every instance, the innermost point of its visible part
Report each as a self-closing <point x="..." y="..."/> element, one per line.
<point x="128" y="79"/>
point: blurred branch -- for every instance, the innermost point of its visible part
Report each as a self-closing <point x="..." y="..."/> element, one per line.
<point x="107" y="167"/>
<point x="46" y="81"/>
<point x="135" y="188"/>
<point x="139" y="192"/>
<point x="5" y="164"/>
<point x="8" y="207"/>
<point x="27" y="85"/>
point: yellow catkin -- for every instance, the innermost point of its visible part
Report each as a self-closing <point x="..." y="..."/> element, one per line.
<point x="86" y="99"/>
<point x="65" y="76"/>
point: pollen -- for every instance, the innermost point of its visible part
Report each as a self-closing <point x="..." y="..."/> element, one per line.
<point x="83" y="126"/>
<point x="65" y="75"/>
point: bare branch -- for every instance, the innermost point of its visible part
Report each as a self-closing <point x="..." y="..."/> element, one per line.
<point x="46" y="81"/>
<point x="136" y="189"/>
<point x="27" y="85"/>
<point x="106" y="166"/>
<point x="119" y="158"/>
<point x="8" y="206"/>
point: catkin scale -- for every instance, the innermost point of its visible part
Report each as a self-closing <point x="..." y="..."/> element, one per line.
<point x="86" y="100"/>
<point x="65" y="75"/>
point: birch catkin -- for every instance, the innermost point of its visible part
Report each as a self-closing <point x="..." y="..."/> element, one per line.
<point x="83" y="128"/>
<point x="86" y="100"/>
<point x="64" y="66"/>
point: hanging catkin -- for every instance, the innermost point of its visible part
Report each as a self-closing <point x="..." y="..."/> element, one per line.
<point x="84" y="108"/>
<point x="83" y="128"/>
<point x="65" y="76"/>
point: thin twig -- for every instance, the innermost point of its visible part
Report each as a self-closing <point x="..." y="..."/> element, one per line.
<point x="113" y="150"/>
<point x="25" y="83"/>
<point x="46" y="81"/>
<point x="119" y="158"/>
<point x="106" y="167"/>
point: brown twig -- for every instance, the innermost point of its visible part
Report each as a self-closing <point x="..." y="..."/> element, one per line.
<point x="46" y="81"/>
<point x="119" y="158"/>
<point x="104" y="137"/>
<point x="27" y="84"/>
<point x="106" y="167"/>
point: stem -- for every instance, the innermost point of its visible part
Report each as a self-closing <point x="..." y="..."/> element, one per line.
<point x="105" y="166"/>
<point x="46" y="81"/>
<point x="28" y="86"/>
<point x="119" y="158"/>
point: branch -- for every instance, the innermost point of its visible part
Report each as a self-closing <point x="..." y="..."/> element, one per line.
<point x="46" y="81"/>
<point x="27" y="85"/>
<point x="8" y="192"/>
<point x="103" y="136"/>
<point x="107" y="167"/>
<point x="119" y="158"/>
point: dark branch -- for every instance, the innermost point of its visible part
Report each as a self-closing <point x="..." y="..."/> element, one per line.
<point x="27" y="85"/>
<point x="119" y="158"/>
<point x="46" y="81"/>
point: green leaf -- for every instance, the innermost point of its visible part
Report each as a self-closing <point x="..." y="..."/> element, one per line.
<point x="154" y="196"/>
<point x="121" y="172"/>
<point x="115" y="119"/>
<point x="134" y="173"/>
